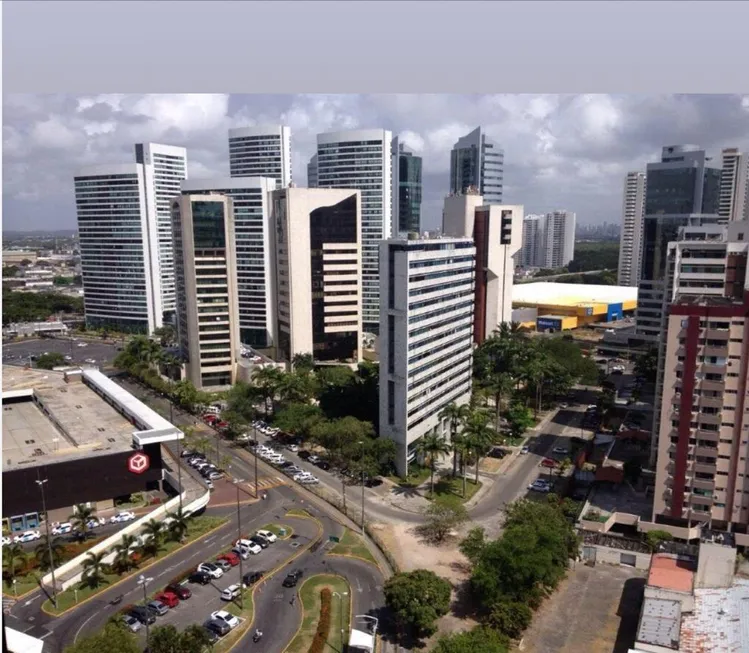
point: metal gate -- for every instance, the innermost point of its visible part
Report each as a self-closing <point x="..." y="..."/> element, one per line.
<point x="589" y="555"/>
<point x="628" y="559"/>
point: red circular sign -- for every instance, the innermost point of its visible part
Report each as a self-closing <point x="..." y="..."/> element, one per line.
<point x="138" y="463"/>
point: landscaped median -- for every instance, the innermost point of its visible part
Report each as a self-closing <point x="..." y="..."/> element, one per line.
<point x="326" y="613"/>
<point x="197" y="527"/>
<point x="352" y="546"/>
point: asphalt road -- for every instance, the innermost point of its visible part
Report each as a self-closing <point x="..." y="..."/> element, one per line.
<point x="18" y="353"/>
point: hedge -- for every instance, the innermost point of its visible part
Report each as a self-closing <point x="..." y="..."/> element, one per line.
<point x="323" y="626"/>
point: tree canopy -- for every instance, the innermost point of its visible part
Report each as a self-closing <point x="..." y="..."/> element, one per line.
<point x="417" y="598"/>
<point x="113" y="638"/>
<point x="19" y="306"/>
<point x="479" y="640"/>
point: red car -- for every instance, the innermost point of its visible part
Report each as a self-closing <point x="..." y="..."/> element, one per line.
<point x="168" y="599"/>
<point x="180" y="590"/>
<point x="549" y="462"/>
<point x="210" y="418"/>
<point x="231" y="558"/>
<point x="222" y="425"/>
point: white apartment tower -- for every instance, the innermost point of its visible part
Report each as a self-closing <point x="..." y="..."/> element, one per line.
<point x="733" y="202"/>
<point x="426" y="337"/>
<point x="361" y="160"/>
<point x="633" y="213"/>
<point x="207" y="308"/>
<point x="317" y="251"/>
<point x="559" y="239"/>
<point x="253" y="234"/>
<point x="261" y="151"/>
<point x="477" y="162"/>
<point x="532" y="241"/>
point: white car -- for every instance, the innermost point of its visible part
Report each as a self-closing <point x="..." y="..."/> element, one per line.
<point x="231" y="592"/>
<point x="301" y="476"/>
<point x="249" y="545"/>
<point x="27" y="536"/>
<point x="63" y="529"/>
<point x="212" y="570"/>
<point x="6" y="540"/>
<point x="526" y="449"/>
<point x="309" y="480"/>
<point x="95" y="523"/>
<point x="540" y="486"/>
<point x="242" y="551"/>
<point x="122" y="517"/>
<point x="294" y="448"/>
<point x="228" y="618"/>
<point x="271" y="537"/>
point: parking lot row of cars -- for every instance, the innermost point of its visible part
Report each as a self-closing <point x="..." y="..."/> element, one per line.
<point x="66" y="528"/>
<point x="276" y="458"/>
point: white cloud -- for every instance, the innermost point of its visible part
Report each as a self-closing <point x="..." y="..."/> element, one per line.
<point x="54" y="134"/>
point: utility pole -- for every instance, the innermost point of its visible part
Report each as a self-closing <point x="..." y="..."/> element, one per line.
<point x="143" y="582"/>
<point x="236" y="482"/>
<point x="361" y="462"/>
<point x="179" y="458"/>
<point x="41" y="483"/>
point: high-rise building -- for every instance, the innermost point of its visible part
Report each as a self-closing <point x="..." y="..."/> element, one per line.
<point x="406" y="190"/>
<point x="558" y="240"/>
<point x="630" y="243"/>
<point x="426" y="337"/>
<point x="702" y="432"/>
<point x="262" y="151"/>
<point x="119" y="249"/>
<point x="312" y="172"/>
<point x="477" y="162"/>
<point x="164" y="168"/>
<point x="362" y="160"/>
<point x="532" y="241"/>
<point x="317" y="256"/>
<point x="496" y="231"/>
<point x="681" y="190"/>
<point x="733" y="203"/>
<point x="253" y="235"/>
<point x="207" y="307"/>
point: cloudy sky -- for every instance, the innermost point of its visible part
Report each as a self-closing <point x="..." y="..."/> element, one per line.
<point x="561" y="151"/>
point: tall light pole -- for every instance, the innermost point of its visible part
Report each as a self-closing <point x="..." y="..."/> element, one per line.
<point x="40" y="482"/>
<point x="236" y="482"/>
<point x="143" y="582"/>
<point x="361" y="462"/>
<point x="340" y="598"/>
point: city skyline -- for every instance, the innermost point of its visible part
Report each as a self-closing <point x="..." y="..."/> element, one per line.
<point x="566" y="152"/>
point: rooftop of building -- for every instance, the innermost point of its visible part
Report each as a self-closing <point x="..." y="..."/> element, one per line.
<point x="671" y="572"/>
<point x="708" y="300"/>
<point x="50" y="417"/>
<point x="571" y="294"/>
<point x="660" y="623"/>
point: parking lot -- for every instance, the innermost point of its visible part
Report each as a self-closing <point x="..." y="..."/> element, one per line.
<point x="80" y="351"/>
<point x="206" y="599"/>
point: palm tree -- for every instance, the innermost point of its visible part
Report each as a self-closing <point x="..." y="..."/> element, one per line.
<point x="479" y="436"/>
<point x="179" y="525"/>
<point x="303" y="363"/>
<point x="43" y="548"/>
<point x="153" y="531"/>
<point x="432" y="446"/>
<point x="94" y="569"/>
<point x="13" y="553"/>
<point x="455" y="415"/>
<point x="123" y="559"/>
<point x="80" y="518"/>
<point x="268" y="380"/>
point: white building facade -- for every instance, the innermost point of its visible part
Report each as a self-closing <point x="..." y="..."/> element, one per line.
<point x="633" y="214"/>
<point x="426" y="337"/>
<point x="362" y="160"/>
<point x="559" y="239"/>
<point x="532" y="241"/>
<point x="253" y="235"/>
<point x="261" y="151"/>
<point x="733" y="202"/>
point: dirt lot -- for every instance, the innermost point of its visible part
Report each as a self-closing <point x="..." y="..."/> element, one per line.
<point x="596" y="610"/>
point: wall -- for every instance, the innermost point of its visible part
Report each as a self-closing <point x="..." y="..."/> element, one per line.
<point x="607" y="555"/>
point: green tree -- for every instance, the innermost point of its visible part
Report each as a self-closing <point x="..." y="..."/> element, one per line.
<point x="164" y="639"/>
<point x="112" y="639"/>
<point x="21" y="306"/>
<point x="153" y="535"/>
<point x="296" y="387"/>
<point x="94" y="569"/>
<point x="304" y="363"/>
<point x="519" y="419"/>
<point x="168" y="335"/>
<point x="510" y="618"/>
<point x="441" y="519"/>
<point x="268" y="380"/>
<point x="80" y="518"/>
<point x="431" y="447"/>
<point x="417" y="599"/>
<point x="646" y="365"/>
<point x="194" y="639"/>
<point x="179" y="525"/>
<point x="185" y="394"/>
<point x="13" y="554"/>
<point x="473" y="544"/>
<point x="42" y="552"/>
<point x="50" y="360"/>
<point x="479" y="640"/>
<point x="455" y="415"/>
<point x="479" y="436"/>
<point x="654" y="539"/>
<point x="123" y="559"/>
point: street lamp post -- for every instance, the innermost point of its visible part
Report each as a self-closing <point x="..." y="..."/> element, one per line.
<point x="361" y="460"/>
<point x="236" y="482"/>
<point x="40" y="482"/>
<point x="340" y="598"/>
<point x="143" y="582"/>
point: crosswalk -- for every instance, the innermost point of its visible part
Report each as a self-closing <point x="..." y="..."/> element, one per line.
<point x="8" y="603"/>
<point x="267" y="483"/>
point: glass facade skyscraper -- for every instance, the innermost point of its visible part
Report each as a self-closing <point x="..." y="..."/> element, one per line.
<point x="407" y="188"/>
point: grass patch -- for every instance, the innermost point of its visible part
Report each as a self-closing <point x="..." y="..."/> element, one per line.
<point x="416" y="476"/>
<point x="352" y="545"/>
<point x="298" y="512"/>
<point x="276" y="530"/>
<point x="310" y="597"/>
<point x="449" y="490"/>
<point x="199" y="526"/>
<point x="24" y="584"/>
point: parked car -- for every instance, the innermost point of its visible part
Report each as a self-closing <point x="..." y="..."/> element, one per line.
<point x="62" y="529"/>
<point x="324" y="464"/>
<point x="223" y="565"/>
<point x="540" y="486"/>
<point x="212" y="570"/>
<point x="200" y="577"/>
<point x="143" y="615"/>
<point x="314" y="459"/>
<point x="549" y="462"/>
<point x="292" y="578"/>
<point x="131" y="623"/>
<point x="226" y="617"/>
<point x="304" y="455"/>
<point x="158" y="608"/>
<point x="169" y="599"/>
<point x="231" y="558"/>
<point x="27" y="536"/>
<point x="249" y="545"/>
<point x="252" y="577"/>
<point x="181" y="591"/>
<point x="122" y="517"/>
<point x="231" y="592"/>
<point x="526" y="449"/>
<point x="268" y="535"/>
<point x="561" y="450"/>
<point x="294" y="448"/>
<point x="564" y="405"/>
<point x="309" y="480"/>
<point x="242" y="551"/>
<point x="211" y="635"/>
<point x="95" y="523"/>
<point x="217" y="626"/>
<point x="260" y="541"/>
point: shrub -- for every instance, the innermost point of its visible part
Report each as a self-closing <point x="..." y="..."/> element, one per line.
<point x="323" y="626"/>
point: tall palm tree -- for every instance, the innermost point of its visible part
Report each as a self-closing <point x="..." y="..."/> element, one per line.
<point x="94" y="568"/>
<point x="432" y="446"/>
<point x="153" y="532"/>
<point x="80" y="518"/>
<point x="479" y="436"/>
<point x="268" y="380"/>
<point x="455" y="415"/>
<point x="123" y="552"/>
<point x="12" y="554"/>
<point x="179" y="526"/>
<point x="43" y="548"/>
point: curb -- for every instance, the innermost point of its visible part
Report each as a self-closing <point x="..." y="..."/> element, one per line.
<point x="350" y="557"/>
<point x="273" y="572"/>
<point x="25" y="594"/>
<point x="128" y="577"/>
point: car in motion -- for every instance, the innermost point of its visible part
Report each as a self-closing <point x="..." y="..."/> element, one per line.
<point x="122" y="517"/>
<point x="212" y="570"/>
<point x="292" y="578"/>
<point x="526" y="449"/>
<point x="27" y="536"/>
<point x="63" y="529"/>
<point x="226" y="617"/>
<point x="561" y="450"/>
<point x="549" y="462"/>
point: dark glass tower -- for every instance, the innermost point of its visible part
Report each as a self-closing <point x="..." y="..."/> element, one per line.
<point x="406" y="190"/>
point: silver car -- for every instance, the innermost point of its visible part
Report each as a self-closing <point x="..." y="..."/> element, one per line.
<point x="132" y="624"/>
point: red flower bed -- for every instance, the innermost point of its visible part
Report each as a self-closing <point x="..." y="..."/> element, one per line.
<point x="323" y="626"/>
